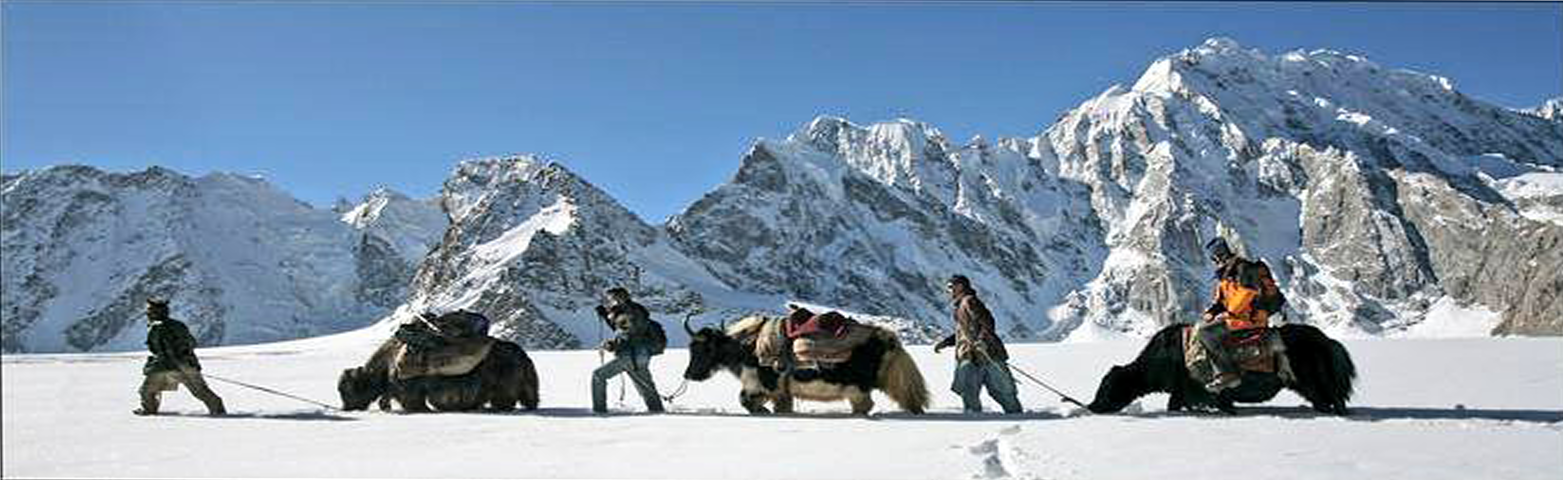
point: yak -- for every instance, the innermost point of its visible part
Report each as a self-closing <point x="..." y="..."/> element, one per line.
<point x="879" y="363"/>
<point x="505" y="377"/>
<point x="1318" y="368"/>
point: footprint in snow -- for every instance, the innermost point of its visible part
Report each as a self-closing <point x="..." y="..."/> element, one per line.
<point x="988" y="446"/>
<point x="992" y="463"/>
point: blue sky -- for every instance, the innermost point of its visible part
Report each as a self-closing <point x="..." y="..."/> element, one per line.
<point x="655" y="103"/>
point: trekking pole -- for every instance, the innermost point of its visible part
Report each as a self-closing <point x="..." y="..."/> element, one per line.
<point x="267" y="390"/>
<point x="1061" y="395"/>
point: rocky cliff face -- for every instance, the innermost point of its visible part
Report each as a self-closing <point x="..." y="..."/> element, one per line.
<point x="1372" y="191"/>
<point x="241" y="261"/>
<point x="532" y="246"/>
<point x="876" y="218"/>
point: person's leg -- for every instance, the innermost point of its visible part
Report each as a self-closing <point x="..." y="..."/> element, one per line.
<point x="1001" y="386"/>
<point x="1211" y="333"/>
<point x="600" y="381"/>
<point x="645" y="385"/>
<point x="197" y="385"/>
<point x="152" y="387"/>
<point x="968" y="380"/>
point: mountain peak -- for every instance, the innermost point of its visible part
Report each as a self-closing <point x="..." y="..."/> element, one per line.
<point x="1552" y="109"/>
<point x="385" y="193"/>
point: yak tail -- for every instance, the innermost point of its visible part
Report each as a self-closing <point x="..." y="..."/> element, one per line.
<point x="1342" y="373"/>
<point x="528" y="373"/>
<point x="1323" y="367"/>
<point x="900" y="379"/>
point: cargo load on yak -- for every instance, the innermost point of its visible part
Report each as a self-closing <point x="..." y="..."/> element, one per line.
<point x="445" y="345"/>
<point x="804" y="340"/>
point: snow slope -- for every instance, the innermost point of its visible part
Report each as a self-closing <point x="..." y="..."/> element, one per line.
<point x="1427" y="409"/>
<point x="241" y="261"/>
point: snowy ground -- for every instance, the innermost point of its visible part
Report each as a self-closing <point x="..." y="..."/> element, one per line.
<point x="1427" y="409"/>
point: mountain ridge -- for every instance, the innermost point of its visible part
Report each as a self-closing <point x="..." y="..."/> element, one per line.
<point x="1379" y="196"/>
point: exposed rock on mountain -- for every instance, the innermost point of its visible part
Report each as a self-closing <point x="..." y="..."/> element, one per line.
<point x="1380" y="198"/>
<point x="241" y="261"/>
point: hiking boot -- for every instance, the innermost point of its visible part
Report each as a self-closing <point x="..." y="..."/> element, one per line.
<point x="1223" y="382"/>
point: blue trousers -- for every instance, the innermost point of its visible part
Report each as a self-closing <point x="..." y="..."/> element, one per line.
<point x="638" y="367"/>
<point x="971" y="377"/>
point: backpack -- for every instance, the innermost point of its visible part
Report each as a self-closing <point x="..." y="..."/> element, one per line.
<point x="657" y="338"/>
<point x="1269" y="303"/>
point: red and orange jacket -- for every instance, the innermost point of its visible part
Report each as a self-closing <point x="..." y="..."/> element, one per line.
<point x="1246" y="293"/>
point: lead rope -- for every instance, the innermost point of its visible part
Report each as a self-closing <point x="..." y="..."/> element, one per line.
<point x="268" y="390"/>
<point x="1061" y="395"/>
<point x="678" y="392"/>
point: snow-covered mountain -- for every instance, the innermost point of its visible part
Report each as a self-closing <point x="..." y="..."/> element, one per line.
<point x="1551" y="110"/>
<point x="876" y="218"/>
<point x="1386" y="201"/>
<point x="1375" y="193"/>
<point x="242" y="261"/>
<point x="532" y="245"/>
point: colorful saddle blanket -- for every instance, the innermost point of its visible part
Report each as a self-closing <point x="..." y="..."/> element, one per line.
<point x="814" y="341"/>
<point x="1253" y="350"/>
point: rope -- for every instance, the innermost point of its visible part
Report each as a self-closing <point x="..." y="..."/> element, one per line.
<point x="621" y="388"/>
<point x="1061" y="395"/>
<point x="268" y="390"/>
<point x="682" y="387"/>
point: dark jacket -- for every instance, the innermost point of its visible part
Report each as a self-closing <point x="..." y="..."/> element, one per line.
<point x="172" y="347"/>
<point x="631" y="322"/>
<point x="975" y="338"/>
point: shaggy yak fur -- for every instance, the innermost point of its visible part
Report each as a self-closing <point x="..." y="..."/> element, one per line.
<point x="1321" y="367"/>
<point x="505" y="377"/>
<point x="880" y="363"/>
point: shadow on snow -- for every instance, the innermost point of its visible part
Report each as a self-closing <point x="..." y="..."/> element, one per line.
<point x="1378" y="414"/>
<point x="310" y="415"/>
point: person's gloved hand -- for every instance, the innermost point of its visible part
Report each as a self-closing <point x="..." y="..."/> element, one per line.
<point x="943" y="344"/>
<point x="602" y="311"/>
<point x="611" y="344"/>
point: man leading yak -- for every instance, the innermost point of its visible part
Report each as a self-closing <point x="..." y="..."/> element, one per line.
<point x="980" y="355"/>
<point x="172" y="362"/>
<point x="1245" y="297"/>
<point x="632" y="345"/>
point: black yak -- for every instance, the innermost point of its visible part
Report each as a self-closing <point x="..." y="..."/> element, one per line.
<point x="502" y="379"/>
<point x="1319" y="369"/>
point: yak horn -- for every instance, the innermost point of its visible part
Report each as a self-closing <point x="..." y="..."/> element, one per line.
<point x="686" y="324"/>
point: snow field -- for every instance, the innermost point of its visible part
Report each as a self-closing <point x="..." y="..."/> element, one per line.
<point x="1466" y="408"/>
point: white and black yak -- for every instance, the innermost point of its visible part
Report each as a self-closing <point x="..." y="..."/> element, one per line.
<point x="1317" y="367"/>
<point x="879" y="363"/>
<point x="502" y="379"/>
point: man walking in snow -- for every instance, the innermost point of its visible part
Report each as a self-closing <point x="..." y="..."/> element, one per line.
<point x="172" y="362"/>
<point x="980" y="356"/>
<point x="632" y="346"/>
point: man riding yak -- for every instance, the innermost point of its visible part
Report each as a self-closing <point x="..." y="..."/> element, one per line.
<point x="1244" y="299"/>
